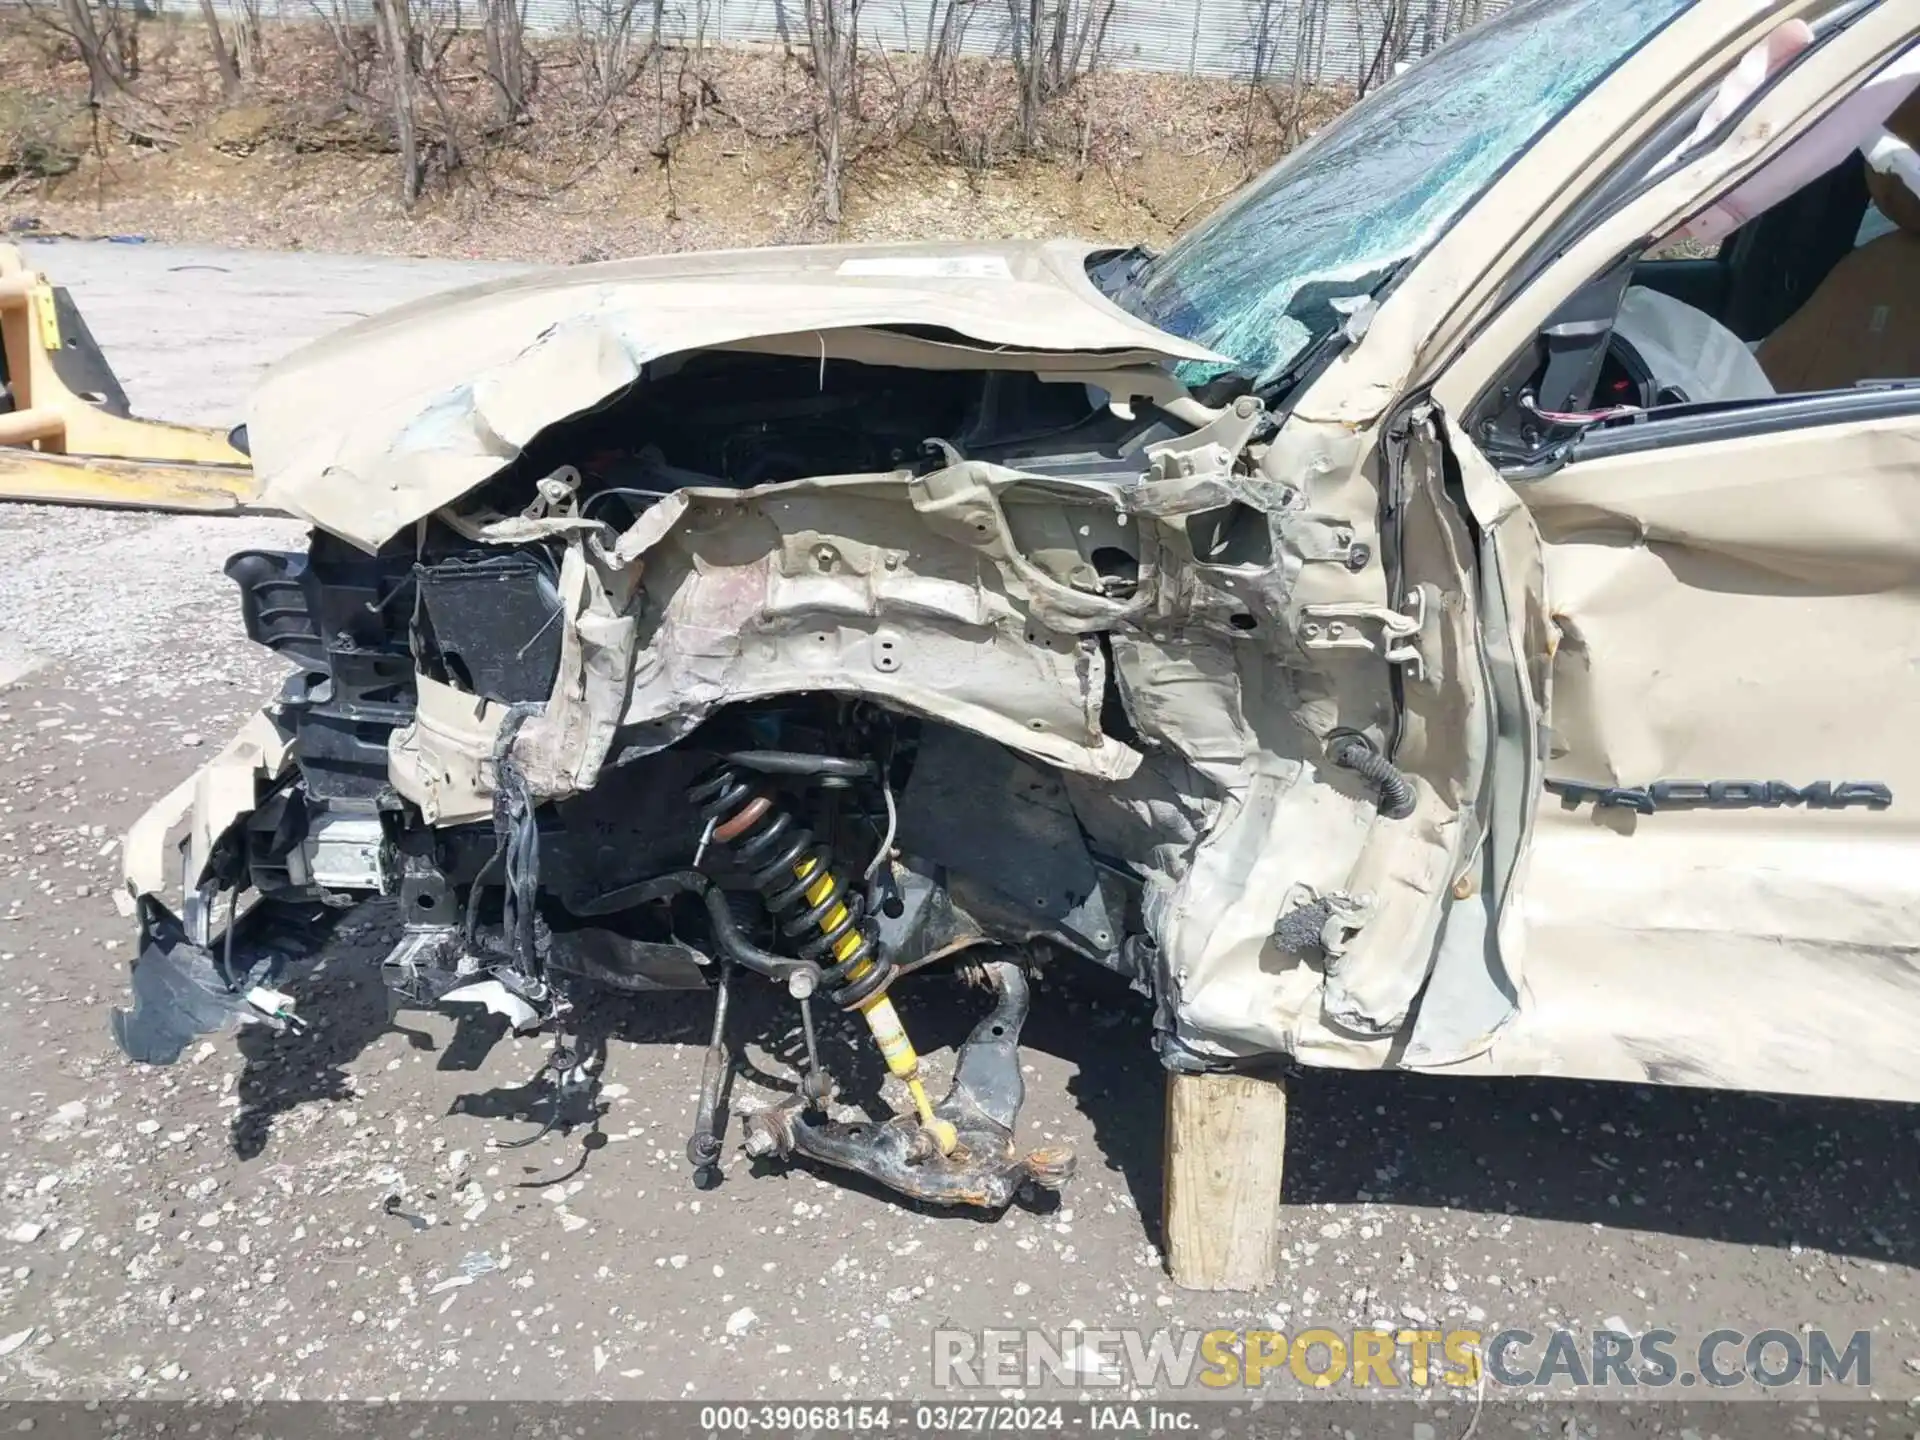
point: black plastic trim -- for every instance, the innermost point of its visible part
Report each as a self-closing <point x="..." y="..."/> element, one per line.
<point x="1705" y="424"/>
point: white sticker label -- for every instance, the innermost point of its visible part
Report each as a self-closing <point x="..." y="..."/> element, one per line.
<point x="924" y="267"/>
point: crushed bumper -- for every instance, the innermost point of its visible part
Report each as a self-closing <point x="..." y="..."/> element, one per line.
<point x="182" y="991"/>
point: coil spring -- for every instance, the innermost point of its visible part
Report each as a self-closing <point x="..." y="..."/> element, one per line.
<point x="783" y="862"/>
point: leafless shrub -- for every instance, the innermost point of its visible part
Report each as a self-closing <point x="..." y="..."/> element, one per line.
<point x="1052" y="44"/>
<point x="355" y="52"/>
<point x="105" y="34"/>
<point x="939" y="75"/>
<point x="1396" y="32"/>
<point x="833" y="48"/>
<point x="108" y="42"/>
<point x="1288" y="53"/>
<point x="612" y="40"/>
<point x="397" y="67"/>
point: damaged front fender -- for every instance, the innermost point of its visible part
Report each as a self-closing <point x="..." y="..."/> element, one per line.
<point x="826" y="662"/>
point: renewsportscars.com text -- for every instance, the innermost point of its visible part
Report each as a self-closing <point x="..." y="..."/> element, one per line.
<point x="1376" y="1360"/>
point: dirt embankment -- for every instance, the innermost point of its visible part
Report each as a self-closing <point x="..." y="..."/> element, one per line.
<point x="706" y="151"/>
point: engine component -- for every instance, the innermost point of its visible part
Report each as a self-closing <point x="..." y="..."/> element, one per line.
<point x="726" y="930"/>
<point x="335" y="613"/>
<point x="347" y="852"/>
<point x="491" y="624"/>
<point x="830" y="768"/>
<point x="983" y="1106"/>
<point x="795" y="876"/>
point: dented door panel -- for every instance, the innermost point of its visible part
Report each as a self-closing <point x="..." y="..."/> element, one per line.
<point x="1738" y="621"/>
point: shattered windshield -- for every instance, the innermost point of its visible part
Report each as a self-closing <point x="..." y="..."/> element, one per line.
<point x="1271" y="274"/>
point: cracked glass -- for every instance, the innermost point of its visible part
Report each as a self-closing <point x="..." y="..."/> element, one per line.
<point x="1276" y="271"/>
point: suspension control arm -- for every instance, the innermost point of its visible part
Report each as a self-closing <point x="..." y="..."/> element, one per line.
<point x="985" y="1168"/>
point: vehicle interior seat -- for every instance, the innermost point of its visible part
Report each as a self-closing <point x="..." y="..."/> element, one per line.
<point x="1862" y="323"/>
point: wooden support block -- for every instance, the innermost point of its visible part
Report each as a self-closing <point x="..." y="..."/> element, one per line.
<point x="1226" y="1143"/>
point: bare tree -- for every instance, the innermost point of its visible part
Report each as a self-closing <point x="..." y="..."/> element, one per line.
<point x="393" y="24"/>
<point x="1447" y="18"/>
<point x="1052" y="43"/>
<point x="833" y="41"/>
<point x="402" y="76"/>
<point x="928" y="82"/>
<point x="1291" y="79"/>
<point x="945" y="43"/>
<point x="1391" y="25"/>
<point x="612" y="42"/>
<point x="1405" y="30"/>
<point x="109" y="44"/>
<point x="223" y="60"/>
<point x="357" y="51"/>
<point x="106" y="68"/>
<point x="249" y="51"/>
<point x="504" y="25"/>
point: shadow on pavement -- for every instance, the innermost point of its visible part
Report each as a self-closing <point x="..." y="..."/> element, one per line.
<point x="1745" y="1169"/>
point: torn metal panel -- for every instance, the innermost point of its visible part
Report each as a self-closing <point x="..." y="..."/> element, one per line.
<point x="1442" y="748"/>
<point x="842" y="583"/>
<point x="1479" y="962"/>
<point x="561" y="749"/>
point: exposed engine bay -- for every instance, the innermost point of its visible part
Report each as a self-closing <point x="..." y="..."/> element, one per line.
<point x="817" y="661"/>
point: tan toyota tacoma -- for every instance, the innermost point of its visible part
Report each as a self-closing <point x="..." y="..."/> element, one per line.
<point x="1457" y="609"/>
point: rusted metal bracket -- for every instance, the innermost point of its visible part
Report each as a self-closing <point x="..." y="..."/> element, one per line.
<point x="985" y="1168"/>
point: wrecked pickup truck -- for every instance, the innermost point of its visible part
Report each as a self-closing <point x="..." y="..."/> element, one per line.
<point x="1364" y="626"/>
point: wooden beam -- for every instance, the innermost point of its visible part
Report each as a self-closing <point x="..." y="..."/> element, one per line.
<point x="1226" y="1143"/>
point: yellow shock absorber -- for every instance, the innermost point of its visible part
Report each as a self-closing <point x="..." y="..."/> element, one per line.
<point x="882" y="1019"/>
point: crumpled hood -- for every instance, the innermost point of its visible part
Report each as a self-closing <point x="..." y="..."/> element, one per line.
<point x="383" y="423"/>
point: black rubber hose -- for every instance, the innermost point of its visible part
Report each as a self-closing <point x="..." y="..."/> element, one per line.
<point x="726" y="931"/>
<point x="798" y="762"/>
<point x="727" y="936"/>
<point x="1356" y="753"/>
